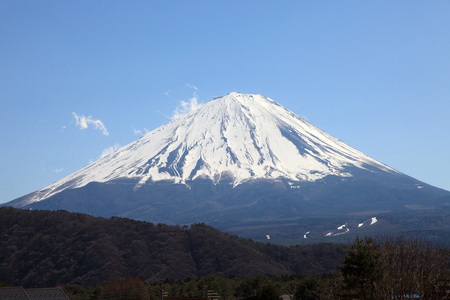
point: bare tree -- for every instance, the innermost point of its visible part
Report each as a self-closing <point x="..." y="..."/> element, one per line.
<point x="394" y="268"/>
<point x="412" y="267"/>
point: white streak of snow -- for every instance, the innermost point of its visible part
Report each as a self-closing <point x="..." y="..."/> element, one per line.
<point x="341" y="227"/>
<point x="373" y="221"/>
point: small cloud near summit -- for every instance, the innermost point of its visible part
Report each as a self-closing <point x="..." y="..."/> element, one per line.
<point x="185" y="107"/>
<point x="139" y="132"/>
<point x="109" y="150"/>
<point x="191" y="86"/>
<point x="83" y="122"/>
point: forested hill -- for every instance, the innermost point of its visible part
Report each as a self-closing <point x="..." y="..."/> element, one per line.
<point x="49" y="248"/>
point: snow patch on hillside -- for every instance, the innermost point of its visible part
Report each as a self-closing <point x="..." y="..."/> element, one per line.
<point x="343" y="229"/>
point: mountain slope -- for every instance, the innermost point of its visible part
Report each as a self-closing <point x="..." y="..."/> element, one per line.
<point x="240" y="137"/>
<point x="237" y="160"/>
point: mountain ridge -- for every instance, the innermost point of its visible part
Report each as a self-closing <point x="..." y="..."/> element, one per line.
<point x="234" y="161"/>
<point x="238" y="137"/>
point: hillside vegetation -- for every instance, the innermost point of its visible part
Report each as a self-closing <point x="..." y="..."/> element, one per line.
<point x="49" y="248"/>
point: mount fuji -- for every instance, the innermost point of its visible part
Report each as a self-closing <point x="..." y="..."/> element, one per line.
<point x="236" y="161"/>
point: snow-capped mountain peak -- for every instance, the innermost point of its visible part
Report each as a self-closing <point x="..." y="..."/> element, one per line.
<point x="240" y="137"/>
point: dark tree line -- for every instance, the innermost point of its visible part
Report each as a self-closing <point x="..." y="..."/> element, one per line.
<point x="117" y="258"/>
<point x="49" y="248"/>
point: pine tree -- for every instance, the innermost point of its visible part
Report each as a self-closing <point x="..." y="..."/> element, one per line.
<point x="362" y="270"/>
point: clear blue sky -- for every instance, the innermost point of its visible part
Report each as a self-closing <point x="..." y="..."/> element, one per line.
<point x="375" y="74"/>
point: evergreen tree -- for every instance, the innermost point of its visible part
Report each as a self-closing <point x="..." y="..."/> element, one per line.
<point x="362" y="270"/>
<point x="307" y="288"/>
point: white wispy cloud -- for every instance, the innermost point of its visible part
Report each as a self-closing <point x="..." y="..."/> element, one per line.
<point x="185" y="107"/>
<point x="109" y="150"/>
<point x="139" y="132"/>
<point x="83" y="122"/>
<point x="164" y="115"/>
<point x="191" y="86"/>
<point x="59" y="170"/>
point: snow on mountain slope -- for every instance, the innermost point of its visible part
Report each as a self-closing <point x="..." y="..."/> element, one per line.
<point x="238" y="136"/>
